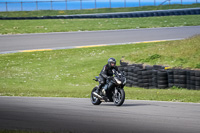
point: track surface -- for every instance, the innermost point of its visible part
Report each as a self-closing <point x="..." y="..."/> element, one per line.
<point x="14" y="43"/>
<point x="79" y="115"/>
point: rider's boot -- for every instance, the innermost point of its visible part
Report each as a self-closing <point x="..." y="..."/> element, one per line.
<point x="104" y="90"/>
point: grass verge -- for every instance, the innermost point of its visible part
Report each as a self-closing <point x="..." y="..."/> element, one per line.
<point x="69" y="72"/>
<point x="66" y="25"/>
<point x="92" y="11"/>
<point x="182" y="54"/>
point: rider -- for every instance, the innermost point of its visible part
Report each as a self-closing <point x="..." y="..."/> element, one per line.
<point x="106" y="73"/>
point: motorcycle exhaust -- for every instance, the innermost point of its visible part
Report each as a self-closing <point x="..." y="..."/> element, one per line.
<point x="98" y="96"/>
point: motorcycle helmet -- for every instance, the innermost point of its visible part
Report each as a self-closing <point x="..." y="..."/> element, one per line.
<point x="111" y="60"/>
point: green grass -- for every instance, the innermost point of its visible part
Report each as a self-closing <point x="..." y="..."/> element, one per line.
<point x="174" y="95"/>
<point x="69" y="73"/>
<point x="91" y="11"/>
<point x="66" y="25"/>
<point x="182" y="53"/>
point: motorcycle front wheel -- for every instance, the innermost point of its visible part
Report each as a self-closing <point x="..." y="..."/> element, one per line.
<point x="119" y="97"/>
<point x="94" y="99"/>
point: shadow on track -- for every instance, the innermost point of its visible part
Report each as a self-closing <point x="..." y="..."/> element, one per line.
<point x="126" y="105"/>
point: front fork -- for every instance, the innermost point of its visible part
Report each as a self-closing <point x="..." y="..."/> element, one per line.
<point x="117" y="94"/>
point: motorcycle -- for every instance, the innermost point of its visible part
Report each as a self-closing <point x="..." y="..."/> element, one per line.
<point x="112" y="91"/>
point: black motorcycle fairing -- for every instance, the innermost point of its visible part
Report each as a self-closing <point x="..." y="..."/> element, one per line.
<point x="114" y="90"/>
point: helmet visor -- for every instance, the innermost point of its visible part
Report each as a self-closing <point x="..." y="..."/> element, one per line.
<point x="112" y="63"/>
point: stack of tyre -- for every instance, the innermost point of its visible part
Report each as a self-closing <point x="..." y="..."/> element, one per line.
<point x="197" y="80"/>
<point x="129" y="74"/>
<point x="135" y="77"/>
<point x="145" y="78"/>
<point x="162" y="79"/>
<point x="170" y="75"/>
<point x="141" y="81"/>
<point x="154" y="78"/>
<point x="193" y="80"/>
<point x="158" y="77"/>
<point x="180" y="78"/>
<point x="149" y="74"/>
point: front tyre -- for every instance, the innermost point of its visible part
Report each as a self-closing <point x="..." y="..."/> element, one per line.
<point x="94" y="99"/>
<point x="119" y="97"/>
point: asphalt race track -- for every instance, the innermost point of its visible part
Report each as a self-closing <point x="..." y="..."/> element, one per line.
<point x="80" y="116"/>
<point x="15" y="43"/>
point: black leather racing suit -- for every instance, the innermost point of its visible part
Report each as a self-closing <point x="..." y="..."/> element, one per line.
<point x="105" y="73"/>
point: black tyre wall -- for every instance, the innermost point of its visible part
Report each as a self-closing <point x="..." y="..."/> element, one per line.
<point x="157" y="77"/>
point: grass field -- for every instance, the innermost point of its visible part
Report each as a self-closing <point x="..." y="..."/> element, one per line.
<point x="66" y="25"/>
<point x="182" y="53"/>
<point x="69" y="73"/>
<point x="91" y="11"/>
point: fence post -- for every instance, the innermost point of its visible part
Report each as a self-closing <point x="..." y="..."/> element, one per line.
<point x="81" y="4"/>
<point x="139" y="3"/>
<point x="21" y="6"/>
<point x="125" y="3"/>
<point x="6" y="7"/>
<point x="51" y="5"/>
<point x="36" y="5"/>
<point x="154" y="2"/>
<point x="66" y="4"/>
<point x="110" y="3"/>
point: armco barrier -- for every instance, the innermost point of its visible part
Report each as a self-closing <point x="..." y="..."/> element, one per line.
<point x="156" y="76"/>
<point x="187" y="11"/>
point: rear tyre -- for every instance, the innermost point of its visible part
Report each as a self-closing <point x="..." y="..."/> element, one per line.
<point x="119" y="97"/>
<point x="95" y="100"/>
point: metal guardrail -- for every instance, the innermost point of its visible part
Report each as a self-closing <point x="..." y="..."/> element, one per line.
<point x="165" y="2"/>
<point x="67" y="4"/>
<point x="188" y="11"/>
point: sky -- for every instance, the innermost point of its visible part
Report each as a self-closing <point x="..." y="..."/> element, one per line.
<point x="104" y="0"/>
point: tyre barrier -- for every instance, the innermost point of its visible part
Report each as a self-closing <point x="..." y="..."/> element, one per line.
<point x="170" y="12"/>
<point x="139" y="75"/>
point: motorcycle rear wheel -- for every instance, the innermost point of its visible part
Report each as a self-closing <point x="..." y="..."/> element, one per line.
<point x="95" y="100"/>
<point x="119" y="97"/>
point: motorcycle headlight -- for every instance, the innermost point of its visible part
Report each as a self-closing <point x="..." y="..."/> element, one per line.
<point x="118" y="81"/>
